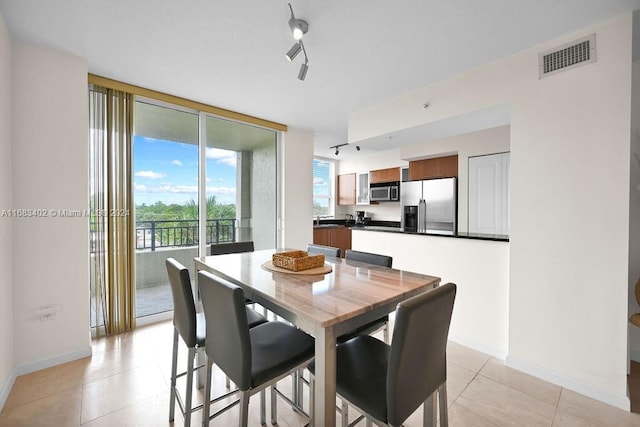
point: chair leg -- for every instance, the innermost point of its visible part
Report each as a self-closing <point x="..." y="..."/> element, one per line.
<point x="244" y="408"/>
<point x="274" y="405"/>
<point x="207" y="392"/>
<point x="174" y="372"/>
<point x="344" y="413"/>
<point x="189" y="392"/>
<point x="385" y="332"/>
<point x="300" y="395"/>
<point x="442" y="400"/>
<point x="429" y="419"/>
<point x="263" y="403"/>
<point x="312" y="392"/>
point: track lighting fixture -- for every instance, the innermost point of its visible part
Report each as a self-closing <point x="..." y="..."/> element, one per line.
<point x="337" y="147"/>
<point x="299" y="28"/>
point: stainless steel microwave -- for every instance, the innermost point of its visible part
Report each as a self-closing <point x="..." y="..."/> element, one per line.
<point x="384" y="193"/>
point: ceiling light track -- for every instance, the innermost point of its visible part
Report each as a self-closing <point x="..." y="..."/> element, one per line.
<point x="299" y="28"/>
<point x="337" y="147"/>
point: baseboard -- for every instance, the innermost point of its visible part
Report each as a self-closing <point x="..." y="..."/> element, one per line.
<point x="26" y="368"/>
<point x="6" y="388"/>
<point x="474" y="345"/>
<point x="619" y="401"/>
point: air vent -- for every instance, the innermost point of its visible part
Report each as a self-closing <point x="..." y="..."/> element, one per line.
<point x="568" y="56"/>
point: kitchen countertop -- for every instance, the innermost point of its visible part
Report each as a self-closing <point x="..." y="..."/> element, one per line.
<point x="394" y="227"/>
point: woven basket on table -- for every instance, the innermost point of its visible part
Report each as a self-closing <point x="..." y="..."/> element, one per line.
<point x="297" y="260"/>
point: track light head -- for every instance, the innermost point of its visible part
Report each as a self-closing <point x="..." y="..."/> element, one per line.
<point x="358" y="147"/>
<point x="302" y="74"/>
<point x="298" y="27"/>
<point x="293" y="52"/>
<point x="337" y="151"/>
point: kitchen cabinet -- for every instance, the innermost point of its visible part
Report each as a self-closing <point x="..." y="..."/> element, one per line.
<point x="338" y="237"/>
<point x="489" y="194"/>
<point x="362" y="188"/>
<point x="439" y="167"/>
<point x="381" y="176"/>
<point x="347" y="189"/>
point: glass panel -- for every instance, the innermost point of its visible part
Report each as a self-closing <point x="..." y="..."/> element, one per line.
<point x="241" y="183"/>
<point x="165" y="164"/>
<point x="322" y="188"/>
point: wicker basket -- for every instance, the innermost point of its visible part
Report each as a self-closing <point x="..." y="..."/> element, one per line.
<point x="297" y="260"/>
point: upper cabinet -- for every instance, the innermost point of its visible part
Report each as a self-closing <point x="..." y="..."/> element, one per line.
<point x="362" y="188"/>
<point x="347" y="189"/>
<point x="439" y="167"/>
<point x="381" y="176"/>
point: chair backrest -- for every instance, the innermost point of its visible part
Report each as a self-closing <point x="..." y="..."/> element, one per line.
<point x="231" y="248"/>
<point x="227" y="341"/>
<point x="368" y="257"/>
<point x="418" y="357"/>
<point x="325" y="250"/>
<point x="184" y="309"/>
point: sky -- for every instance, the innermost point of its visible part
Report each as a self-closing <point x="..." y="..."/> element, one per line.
<point x="167" y="171"/>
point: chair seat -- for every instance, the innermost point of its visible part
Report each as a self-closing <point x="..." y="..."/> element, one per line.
<point x="276" y="348"/>
<point x="364" y="329"/>
<point x="254" y="318"/>
<point x="361" y="374"/>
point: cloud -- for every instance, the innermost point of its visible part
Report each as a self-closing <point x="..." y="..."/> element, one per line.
<point x="181" y="189"/>
<point x="222" y="156"/>
<point x="176" y="162"/>
<point x="149" y="174"/>
<point x="319" y="181"/>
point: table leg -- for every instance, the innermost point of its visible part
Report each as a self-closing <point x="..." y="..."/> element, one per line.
<point x="325" y="378"/>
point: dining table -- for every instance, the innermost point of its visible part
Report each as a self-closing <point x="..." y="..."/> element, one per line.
<point x="345" y="295"/>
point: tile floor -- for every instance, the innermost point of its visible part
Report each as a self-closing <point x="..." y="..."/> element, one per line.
<point x="126" y="383"/>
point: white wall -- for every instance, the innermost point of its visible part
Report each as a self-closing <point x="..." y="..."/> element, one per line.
<point x="6" y="253"/>
<point x="634" y="210"/>
<point x="488" y="141"/>
<point x="480" y="268"/>
<point x="569" y="242"/>
<point x="50" y="171"/>
<point x="297" y="181"/>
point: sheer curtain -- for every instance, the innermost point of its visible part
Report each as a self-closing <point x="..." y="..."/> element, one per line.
<point x="112" y="211"/>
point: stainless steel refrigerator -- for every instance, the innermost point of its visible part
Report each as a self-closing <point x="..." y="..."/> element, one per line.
<point x="430" y="206"/>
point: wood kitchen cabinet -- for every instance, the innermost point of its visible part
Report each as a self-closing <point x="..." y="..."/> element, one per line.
<point x="347" y="189"/>
<point x="439" y="167"/>
<point x="384" y="175"/>
<point x="338" y="237"/>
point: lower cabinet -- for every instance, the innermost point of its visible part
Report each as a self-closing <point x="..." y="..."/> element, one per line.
<point x="338" y="237"/>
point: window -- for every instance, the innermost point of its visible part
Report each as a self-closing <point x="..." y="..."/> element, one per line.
<point x="323" y="187"/>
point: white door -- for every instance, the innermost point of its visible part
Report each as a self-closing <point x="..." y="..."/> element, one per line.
<point x="489" y="194"/>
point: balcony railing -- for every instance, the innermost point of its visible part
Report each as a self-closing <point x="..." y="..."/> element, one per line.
<point x="151" y="235"/>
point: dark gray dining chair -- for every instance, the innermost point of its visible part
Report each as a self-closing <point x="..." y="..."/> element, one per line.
<point x="383" y="322"/>
<point x="324" y="250"/>
<point x="190" y="326"/>
<point x="253" y="358"/>
<point x="231" y="248"/>
<point x="388" y="383"/>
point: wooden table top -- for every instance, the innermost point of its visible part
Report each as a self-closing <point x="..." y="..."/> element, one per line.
<point x="350" y="289"/>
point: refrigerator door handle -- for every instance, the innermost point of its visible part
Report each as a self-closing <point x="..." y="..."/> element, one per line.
<point x="422" y="216"/>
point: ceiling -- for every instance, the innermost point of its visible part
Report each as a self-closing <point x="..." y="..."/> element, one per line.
<point x="230" y="53"/>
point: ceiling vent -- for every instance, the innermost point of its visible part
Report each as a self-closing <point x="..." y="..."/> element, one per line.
<point x="568" y="56"/>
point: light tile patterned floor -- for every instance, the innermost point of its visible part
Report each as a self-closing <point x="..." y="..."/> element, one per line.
<point x="126" y="383"/>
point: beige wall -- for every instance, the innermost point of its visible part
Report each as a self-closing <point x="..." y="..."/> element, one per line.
<point x="50" y="171"/>
<point x="6" y="253"/>
<point x="634" y="209"/>
<point x="569" y="247"/>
